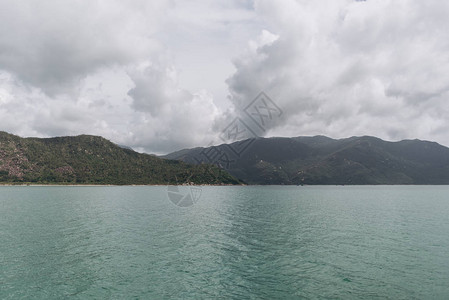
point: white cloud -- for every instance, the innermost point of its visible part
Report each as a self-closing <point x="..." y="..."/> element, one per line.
<point x="347" y="67"/>
<point x="100" y="68"/>
<point x="152" y="74"/>
<point x="169" y="117"/>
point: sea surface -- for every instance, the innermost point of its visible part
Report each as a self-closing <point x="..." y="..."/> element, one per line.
<point x="246" y="242"/>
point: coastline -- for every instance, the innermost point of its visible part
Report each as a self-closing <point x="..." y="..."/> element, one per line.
<point x="108" y="185"/>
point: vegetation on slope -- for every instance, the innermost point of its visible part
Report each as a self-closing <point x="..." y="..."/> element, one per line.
<point x="322" y="160"/>
<point x="94" y="160"/>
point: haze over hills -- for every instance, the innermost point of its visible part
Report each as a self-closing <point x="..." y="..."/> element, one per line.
<point x="322" y="160"/>
<point x="94" y="160"/>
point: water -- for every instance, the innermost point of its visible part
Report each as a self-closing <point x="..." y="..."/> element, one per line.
<point x="235" y="243"/>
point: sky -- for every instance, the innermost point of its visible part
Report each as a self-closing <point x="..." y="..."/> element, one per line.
<point x="163" y="75"/>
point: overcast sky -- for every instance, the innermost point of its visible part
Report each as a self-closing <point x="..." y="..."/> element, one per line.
<point x="164" y="75"/>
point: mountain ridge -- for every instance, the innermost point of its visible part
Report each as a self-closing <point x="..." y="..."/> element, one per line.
<point x="88" y="159"/>
<point x="323" y="160"/>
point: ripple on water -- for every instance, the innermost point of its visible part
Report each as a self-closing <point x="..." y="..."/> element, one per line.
<point x="236" y="242"/>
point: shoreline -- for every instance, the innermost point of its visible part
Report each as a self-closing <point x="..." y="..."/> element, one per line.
<point x="186" y="185"/>
<point x="110" y="185"/>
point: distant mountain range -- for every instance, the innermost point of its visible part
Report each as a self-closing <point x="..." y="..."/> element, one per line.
<point x="89" y="159"/>
<point x="322" y="160"/>
<point x="94" y="160"/>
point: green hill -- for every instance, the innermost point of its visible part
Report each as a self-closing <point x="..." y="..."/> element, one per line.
<point x="322" y="160"/>
<point x="94" y="160"/>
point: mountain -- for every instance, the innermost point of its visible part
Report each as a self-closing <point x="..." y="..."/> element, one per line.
<point x="322" y="160"/>
<point x="89" y="159"/>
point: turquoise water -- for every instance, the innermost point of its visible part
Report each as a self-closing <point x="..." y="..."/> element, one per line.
<point x="235" y="243"/>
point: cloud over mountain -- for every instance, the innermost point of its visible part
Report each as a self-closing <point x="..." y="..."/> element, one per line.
<point x="352" y="68"/>
<point x="162" y="75"/>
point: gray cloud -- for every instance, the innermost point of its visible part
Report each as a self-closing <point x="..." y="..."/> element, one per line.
<point x="112" y="68"/>
<point x="352" y="68"/>
<point x="152" y="74"/>
<point x="53" y="44"/>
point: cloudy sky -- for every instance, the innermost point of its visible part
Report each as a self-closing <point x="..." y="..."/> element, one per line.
<point x="163" y="75"/>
